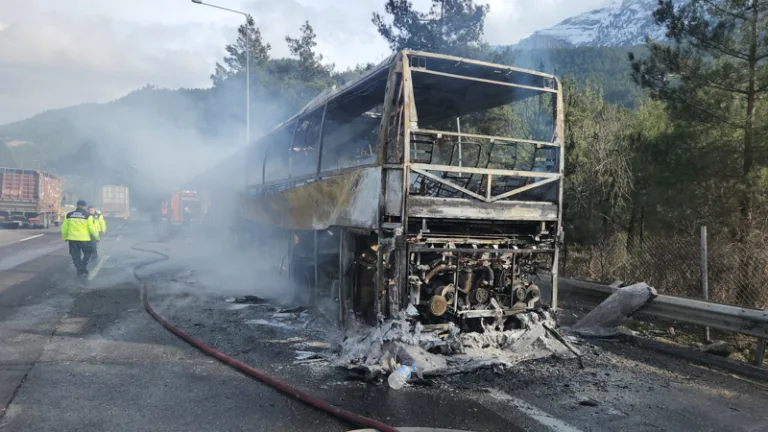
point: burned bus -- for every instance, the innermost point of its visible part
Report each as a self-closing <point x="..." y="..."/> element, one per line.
<point x="430" y="187"/>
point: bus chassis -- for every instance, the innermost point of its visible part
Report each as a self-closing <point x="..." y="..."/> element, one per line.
<point x="420" y="227"/>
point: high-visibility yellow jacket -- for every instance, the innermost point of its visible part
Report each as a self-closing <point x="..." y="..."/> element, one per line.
<point x="101" y="225"/>
<point x="78" y="226"/>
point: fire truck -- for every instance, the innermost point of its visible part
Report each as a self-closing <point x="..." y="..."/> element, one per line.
<point x="184" y="207"/>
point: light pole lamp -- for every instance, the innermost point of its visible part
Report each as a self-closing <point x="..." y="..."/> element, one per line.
<point x="247" y="73"/>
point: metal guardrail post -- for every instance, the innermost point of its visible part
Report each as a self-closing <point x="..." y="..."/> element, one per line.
<point x="760" y="352"/>
<point x="704" y="273"/>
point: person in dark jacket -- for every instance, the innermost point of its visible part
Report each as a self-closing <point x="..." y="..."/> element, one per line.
<point x="78" y="230"/>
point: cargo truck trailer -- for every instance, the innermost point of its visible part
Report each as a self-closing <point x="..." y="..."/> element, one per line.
<point x="29" y="198"/>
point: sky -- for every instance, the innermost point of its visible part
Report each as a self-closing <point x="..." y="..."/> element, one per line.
<point x="58" y="53"/>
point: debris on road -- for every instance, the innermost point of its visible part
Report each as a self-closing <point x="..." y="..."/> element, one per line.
<point x="250" y="299"/>
<point x="400" y="376"/>
<point x="615" y="310"/>
<point x="270" y="323"/>
<point x="565" y="342"/>
<point x="308" y="357"/>
<point x="295" y="310"/>
<point x="720" y="348"/>
<point x="444" y="350"/>
<point x="242" y="302"/>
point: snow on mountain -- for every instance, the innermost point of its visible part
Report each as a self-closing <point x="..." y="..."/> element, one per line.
<point x="616" y="23"/>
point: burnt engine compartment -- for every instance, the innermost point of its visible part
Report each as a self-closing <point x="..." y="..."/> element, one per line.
<point x="479" y="279"/>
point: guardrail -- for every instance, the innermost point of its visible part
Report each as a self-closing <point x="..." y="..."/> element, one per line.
<point x="751" y="322"/>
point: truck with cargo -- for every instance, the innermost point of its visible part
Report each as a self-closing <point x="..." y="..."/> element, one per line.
<point x="115" y="202"/>
<point x="29" y="198"/>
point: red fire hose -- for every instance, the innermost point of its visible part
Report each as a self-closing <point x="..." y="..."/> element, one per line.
<point x="280" y="386"/>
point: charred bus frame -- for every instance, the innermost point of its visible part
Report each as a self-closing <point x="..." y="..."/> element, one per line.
<point x="387" y="208"/>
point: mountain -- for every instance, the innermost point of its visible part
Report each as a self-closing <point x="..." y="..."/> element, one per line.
<point x="606" y="67"/>
<point x="616" y="23"/>
<point x="149" y="137"/>
<point x="7" y="160"/>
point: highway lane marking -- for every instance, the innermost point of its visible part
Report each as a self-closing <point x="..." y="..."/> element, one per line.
<point x="552" y="423"/>
<point x="98" y="267"/>
<point x="30" y="238"/>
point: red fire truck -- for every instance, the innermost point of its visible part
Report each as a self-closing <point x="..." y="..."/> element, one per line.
<point x="184" y="207"/>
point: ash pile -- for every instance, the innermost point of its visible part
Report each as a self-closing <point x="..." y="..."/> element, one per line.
<point x="443" y="349"/>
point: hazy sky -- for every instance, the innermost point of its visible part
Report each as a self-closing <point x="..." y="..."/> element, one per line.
<point x="57" y="53"/>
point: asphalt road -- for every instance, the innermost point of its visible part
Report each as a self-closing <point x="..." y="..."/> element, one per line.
<point x="83" y="355"/>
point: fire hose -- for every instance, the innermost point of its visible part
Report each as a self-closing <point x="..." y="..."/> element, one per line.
<point x="280" y="386"/>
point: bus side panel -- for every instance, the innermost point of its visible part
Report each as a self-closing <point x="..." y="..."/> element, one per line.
<point x="349" y="199"/>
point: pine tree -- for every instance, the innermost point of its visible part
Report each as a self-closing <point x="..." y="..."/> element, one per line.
<point x="714" y="77"/>
<point x="450" y="27"/>
<point x="249" y="37"/>
<point x="303" y="47"/>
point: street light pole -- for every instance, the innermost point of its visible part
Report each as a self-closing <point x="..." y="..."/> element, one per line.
<point x="247" y="76"/>
<point x="247" y="87"/>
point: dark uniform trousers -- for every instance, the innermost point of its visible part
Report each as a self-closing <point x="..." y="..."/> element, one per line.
<point x="76" y="248"/>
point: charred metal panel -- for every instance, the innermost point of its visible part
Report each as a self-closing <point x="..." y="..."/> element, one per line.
<point x="394" y="193"/>
<point x="349" y="200"/>
<point x="459" y="208"/>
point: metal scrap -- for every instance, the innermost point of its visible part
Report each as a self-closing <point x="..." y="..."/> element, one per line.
<point x="250" y="299"/>
<point x="565" y="342"/>
<point x="372" y="352"/>
<point x="615" y="310"/>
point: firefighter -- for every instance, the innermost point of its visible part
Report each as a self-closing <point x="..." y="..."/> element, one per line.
<point x="79" y="231"/>
<point x="101" y="227"/>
